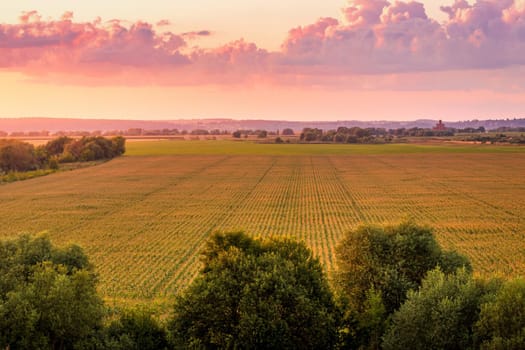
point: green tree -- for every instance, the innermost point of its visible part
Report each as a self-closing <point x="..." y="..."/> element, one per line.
<point x="118" y="145"/>
<point x="287" y="132"/>
<point x="17" y="156"/>
<point x="136" y="330"/>
<point x="440" y="315"/>
<point x="311" y="134"/>
<point x="57" y="146"/>
<point x="390" y="260"/>
<point x="262" y="134"/>
<point x="256" y="294"/>
<point x="377" y="266"/>
<point x="501" y="322"/>
<point x="89" y="148"/>
<point x="72" y="152"/>
<point x="48" y="296"/>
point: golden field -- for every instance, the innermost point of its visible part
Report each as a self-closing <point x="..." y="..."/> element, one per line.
<point x="143" y="218"/>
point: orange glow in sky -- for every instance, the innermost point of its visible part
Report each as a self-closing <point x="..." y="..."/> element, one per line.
<point x="329" y="60"/>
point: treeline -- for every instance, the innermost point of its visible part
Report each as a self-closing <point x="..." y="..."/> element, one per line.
<point x="479" y="130"/>
<point x="346" y="135"/>
<point x="339" y="135"/>
<point x="66" y="149"/>
<point x="18" y="156"/>
<point x="395" y="288"/>
<point x="509" y="129"/>
<point x="497" y="138"/>
<point x="128" y="132"/>
<point x="368" y="135"/>
<point x="421" y="132"/>
<point x="382" y="135"/>
<point x="261" y="133"/>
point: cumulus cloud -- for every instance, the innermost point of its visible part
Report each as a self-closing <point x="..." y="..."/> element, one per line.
<point x="89" y="52"/>
<point x="392" y="37"/>
<point x="373" y="37"/>
<point x="53" y="45"/>
<point x="364" y="13"/>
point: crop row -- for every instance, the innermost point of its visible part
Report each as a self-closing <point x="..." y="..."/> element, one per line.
<point x="143" y="220"/>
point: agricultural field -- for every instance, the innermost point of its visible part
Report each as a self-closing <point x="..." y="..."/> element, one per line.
<point x="142" y="218"/>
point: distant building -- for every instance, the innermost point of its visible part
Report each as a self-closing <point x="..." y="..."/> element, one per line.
<point x="439" y="126"/>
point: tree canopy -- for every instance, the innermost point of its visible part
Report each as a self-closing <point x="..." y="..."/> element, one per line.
<point x="17" y="156"/>
<point x="88" y="148"/>
<point x="501" y="322"/>
<point x="48" y="297"/>
<point x="377" y="266"/>
<point x="135" y="330"/>
<point x="268" y="294"/>
<point x="440" y="315"/>
<point x="391" y="261"/>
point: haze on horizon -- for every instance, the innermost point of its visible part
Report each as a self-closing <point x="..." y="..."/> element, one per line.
<point x="330" y="60"/>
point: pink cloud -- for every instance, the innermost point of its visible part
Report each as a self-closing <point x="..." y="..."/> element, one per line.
<point x="364" y="13"/>
<point x="113" y="52"/>
<point x="403" y="11"/>
<point x="52" y="45"/>
<point x="382" y="37"/>
<point x="374" y="37"/>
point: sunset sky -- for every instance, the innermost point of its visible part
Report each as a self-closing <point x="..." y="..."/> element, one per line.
<point x="264" y="59"/>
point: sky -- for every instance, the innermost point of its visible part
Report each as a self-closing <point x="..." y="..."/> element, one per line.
<point x="263" y="59"/>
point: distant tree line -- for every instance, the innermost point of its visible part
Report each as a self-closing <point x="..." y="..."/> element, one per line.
<point x="128" y="132"/>
<point x="339" y="135"/>
<point x="365" y="135"/>
<point x="18" y="156"/>
<point x="497" y="138"/>
<point x="395" y="288"/>
<point x="346" y="135"/>
<point x="382" y="135"/>
<point x="259" y="133"/>
<point x="478" y="130"/>
<point x="421" y="132"/>
<point x="509" y="129"/>
<point x="372" y="131"/>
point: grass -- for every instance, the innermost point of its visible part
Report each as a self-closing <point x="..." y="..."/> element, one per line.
<point x="144" y="217"/>
<point x="25" y="175"/>
<point x="222" y="147"/>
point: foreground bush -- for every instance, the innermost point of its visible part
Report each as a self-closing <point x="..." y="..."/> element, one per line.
<point x="135" y="330"/>
<point x="390" y="261"/>
<point x="48" y="297"/>
<point x="267" y="294"/>
<point x="377" y="266"/>
<point x="440" y="315"/>
<point x="501" y="322"/>
<point x="17" y="156"/>
<point x="256" y="294"/>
